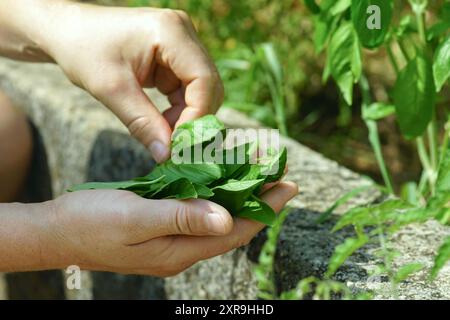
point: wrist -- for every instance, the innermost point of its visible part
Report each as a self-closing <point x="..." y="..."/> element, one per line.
<point x="28" y="27"/>
<point x="52" y="240"/>
<point x="45" y="25"/>
<point x="29" y="238"/>
<point x="49" y="244"/>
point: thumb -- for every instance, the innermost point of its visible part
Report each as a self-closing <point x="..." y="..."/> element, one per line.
<point x="148" y="219"/>
<point x="131" y="105"/>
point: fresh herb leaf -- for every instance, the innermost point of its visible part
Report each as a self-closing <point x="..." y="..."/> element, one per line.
<point x="180" y="189"/>
<point x="233" y="194"/>
<point x="196" y="132"/>
<point x="441" y="66"/>
<point x="122" y="185"/>
<point x="366" y="14"/>
<point x="414" y="97"/>
<point x="258" y="210"/>
<point x="203" y="173"/>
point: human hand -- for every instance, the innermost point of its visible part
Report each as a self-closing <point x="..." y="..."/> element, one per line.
<point x="119" y="231"/>
<point x="114" y="52"/>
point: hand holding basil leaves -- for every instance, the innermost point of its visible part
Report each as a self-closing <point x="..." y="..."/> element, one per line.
<point x="235" y="186"/>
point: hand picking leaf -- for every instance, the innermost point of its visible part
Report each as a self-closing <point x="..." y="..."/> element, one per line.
<point x="233" y="180"/>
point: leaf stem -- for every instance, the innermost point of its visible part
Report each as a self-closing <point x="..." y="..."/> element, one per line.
<point x="432" y="141"/>
<point x="374" y="137"/>
<point x="421" y="26"/>
<point x="392" y="59"/>
<point x="425" y="160"/>
<point x="430" y="163"/>
<point x="403" y="49"/>
<point x="445" y="143"/>
<point x="376" y="145"/>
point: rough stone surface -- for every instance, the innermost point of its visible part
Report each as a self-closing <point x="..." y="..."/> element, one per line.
<point x="83" y="141"/>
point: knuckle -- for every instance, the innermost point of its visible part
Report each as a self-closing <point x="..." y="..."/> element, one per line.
<point x="138" y="125"/>
<point x="100" y="88"/>
<point x="171" y="16"/>
<point x="181" y="220"/>
<point x="183" y="15"/>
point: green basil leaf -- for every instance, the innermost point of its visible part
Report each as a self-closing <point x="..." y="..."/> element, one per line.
<point x="344" y="59"/>
<point x="443" y="180"/>
<point x="414" y="97"/>
<point x="121" y="185"/>
<point x="343" y="251"/>
<point x="203" y="191"/>
<point x="233" y="194"/>
<point x="203" y="173"/>
<point x="442" y="257"/>
<point x="250" y="172"/>
<point x="324" y="26"/>
<point x="257" y="210"/>
<point x="377" y="111"/>
<point x="441" y="65"/>
<point x="406" y="271"/>
<point x="235" y="158"/>
<point x="437" y="30"/>
<point x="407" y="25"/>
<point x="196" y="132"/>
<point x="177" y="189"/>
<point x="340" y="7"/>
<point x="274" y="169"/>
<point x="371" y="19"/>
<point x="441" y="27"/>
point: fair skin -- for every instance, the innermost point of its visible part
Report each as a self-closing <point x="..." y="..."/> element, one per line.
<point x="113" y="53"/>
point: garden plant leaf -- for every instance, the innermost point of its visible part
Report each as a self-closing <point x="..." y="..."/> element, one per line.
<point x="414" y="97"/>
<point x="362" y="15"/>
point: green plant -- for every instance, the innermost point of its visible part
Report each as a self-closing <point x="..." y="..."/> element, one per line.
<point x="422" y="70"/>
<point x="342" y="28"/>
<point x="227" y="176"/>
<point x="250" y="73"/>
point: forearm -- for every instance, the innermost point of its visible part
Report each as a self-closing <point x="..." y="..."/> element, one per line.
<point x="26" y="26"/>
<point x="26" y="240"/>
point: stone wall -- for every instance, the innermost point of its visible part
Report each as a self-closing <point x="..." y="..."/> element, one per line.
<point x="80" y="140"/>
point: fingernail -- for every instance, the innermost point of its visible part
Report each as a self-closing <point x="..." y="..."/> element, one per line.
<point x="159" y="151"/>
<point x="215" y="223"/>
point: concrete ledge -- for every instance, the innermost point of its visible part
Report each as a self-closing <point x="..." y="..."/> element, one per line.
<point x="84" y="141"/>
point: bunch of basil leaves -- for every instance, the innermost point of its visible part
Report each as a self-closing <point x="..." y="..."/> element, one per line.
<point x="234" y="185"/>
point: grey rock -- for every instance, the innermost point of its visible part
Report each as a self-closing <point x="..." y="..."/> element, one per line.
<point x="84" y="141"/>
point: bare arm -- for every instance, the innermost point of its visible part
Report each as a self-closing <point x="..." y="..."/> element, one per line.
<point x="25" y="239"/>
<point x="23" y="26"/>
